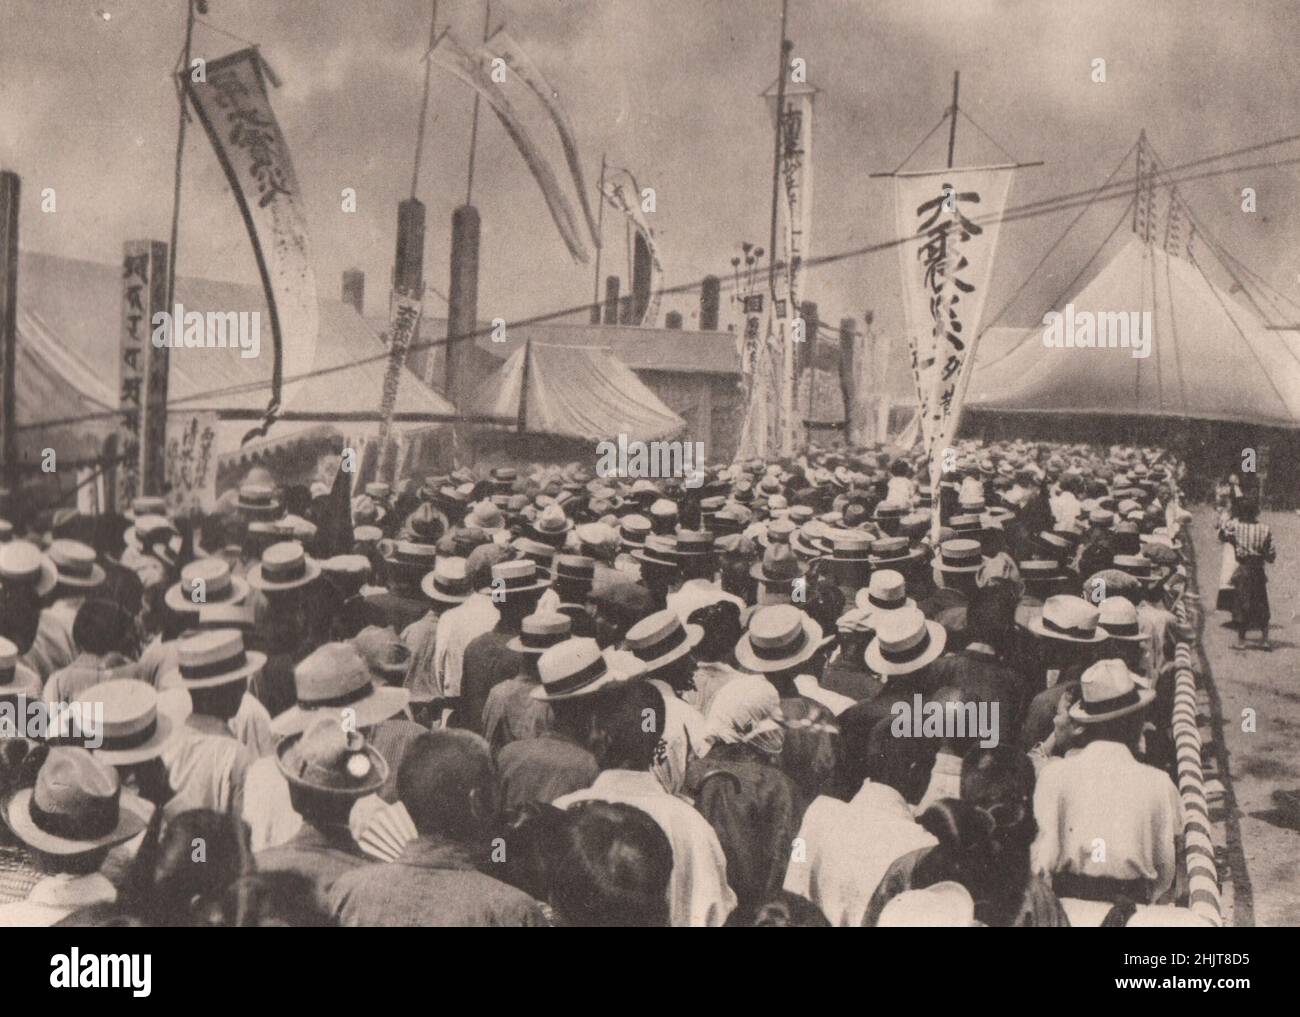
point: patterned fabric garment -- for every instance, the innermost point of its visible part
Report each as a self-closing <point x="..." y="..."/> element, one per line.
<point x="1251" y="540"/>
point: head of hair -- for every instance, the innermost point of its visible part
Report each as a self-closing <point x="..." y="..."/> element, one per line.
<point x="1248" y="510"/>
<point x="219" y="701"/>
<point x="611" y="867"/>
<point x="788" y="910"/>
<point x="448" y="784"/>
<point x="722" y="630"/>
<point x="101" y="626"/>
<point x="629" y="722"/>
<point x="20" y="615"/>
<point x="170" y="880"/>
<point x="270" y="899"/>
<point x="992" y="614"/>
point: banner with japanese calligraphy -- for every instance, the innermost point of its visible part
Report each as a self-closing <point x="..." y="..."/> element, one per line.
<point x="950" y="221"/>
<point x="139" y="269"/>
<point x="191" y="462"/>
<point x="233" y="106"/>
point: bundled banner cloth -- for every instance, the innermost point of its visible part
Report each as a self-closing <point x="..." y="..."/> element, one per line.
<point x="504" y="46"/>
<point x="233" y="106"/>
<point x="406" y="310"/>
<point x="624" y="194"/>
<point x="951" y="218"/>
<point x="454" y="58"/>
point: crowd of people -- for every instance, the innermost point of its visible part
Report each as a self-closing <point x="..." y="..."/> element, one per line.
<point x="807" y="692"/>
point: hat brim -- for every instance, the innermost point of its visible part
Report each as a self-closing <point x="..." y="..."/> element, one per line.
<point x="383" y="702"/>
<point x="607" y="679"/>
<point x="1145" y="698"/>
<point x="813" y="644"/>
<point x="1036" y="626"/>
<point x="862" y="603"/>
<point x="378" y="774"/>
<point x="438" y="597"/>
<point x="257" y="582"/>
<point x="881" y="666"/>
<point x="96" y="578"/>
<point x="18" y="817"/>
<point x="253" y="664"/>
<point x="1140" y="637"/>
<point x="259" y="508"/>
<point x="176" y="600"/>
<point x="26" y="683"/>
<point x="516" y="591"/>
<point x="940" y="566"/>
<point x="164" y="730"/>
<point x="694" y="633"/>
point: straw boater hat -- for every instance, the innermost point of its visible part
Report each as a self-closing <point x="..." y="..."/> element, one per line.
<point x="407" y="556"/>
<point x="695" y="545"/>
<point x="75" y="564"/>
<point x="6" y="531"/>
<point x="959" y="556"/>
<point x="515" y="578"/>
<point x="448" y="583"/>
<point x="148" y="505"/>
<point x="327" y="760"/>
<point x="575" y="568"/>
<point x="659" y="551"/>
<point x="552" y="526"/>
<point x="76" y="806"/>
<point x="16" y="678"/>
<point x="133" y="729"/>
<point x="209" y="580"/>
<point x="540" y="631"/>
<point x="1119" y="619"/>
<point x="212" y="657"/>
<point x="661" y="639"/>
<point x="258" y="500"/>
<point x="1110" y="691"/>
<point x="778" y="531"/>
<point x="23" y="564"/>
<point x="633" y="529"/>
<point x="153" y="529"/>
<point x="334" y="678"/>
<point x="887" y="591"/>
<point x="284" y="566"/>
<point x="348" y="572"/>
<point x="573" y="668"/>
<point x="1068" y="618"/>
<point x="888" y="551"/>
<point x="904" y="642"/>
<point x="779" y="637"/>
<point x="1136" y="565"/>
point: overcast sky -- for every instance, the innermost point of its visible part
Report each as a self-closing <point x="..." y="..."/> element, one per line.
<point x="669" y="88"/>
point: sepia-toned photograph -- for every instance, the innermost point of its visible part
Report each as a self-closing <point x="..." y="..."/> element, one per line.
<point x="650" y="463"/>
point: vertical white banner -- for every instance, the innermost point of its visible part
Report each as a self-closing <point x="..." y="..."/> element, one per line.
<point x="951" y="221"/>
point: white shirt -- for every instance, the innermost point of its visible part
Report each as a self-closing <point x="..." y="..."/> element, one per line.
<point x="1102" y="813"/>
<point x="698" y="894"/>
<point x="836" y="702"/>
<point x="901" y="490"/>
<point x="945" y="781"/>
<point x="844" y="848"/>
<point x="1065" y="508"/>
<point x="54" y="898"/>
<point x="456" y="630"/>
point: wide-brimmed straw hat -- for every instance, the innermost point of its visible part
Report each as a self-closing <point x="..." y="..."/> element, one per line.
<point x="779" y="566"/>
<point x="212" y="657"/>
<point x="76" y="806"/>
<point x="959" y="555"/>
<point x="16" y="678"/>
<point x="887" y="591"/>
<point x="539" y="631"/>
<point x="331" y="679"/>
<point x="132" y="729"/>
<point x="905" y="641"/>
<point x="1110" y="690"/>
<point x="779" y="637"/>
<point x="515" y="578"/>
<point x="283" y="566"/>
<point x="210" y="581"/>
<point x="384" y="653"/>
<point x="1068" y="618"/>
<point x="1119" y="619"/>
<point x="24" y="564"/>
<point x="75" y="564"/>
<point x="449" y="582"/>
<point x="661" y="639"/>
<point x="573" y="668"/>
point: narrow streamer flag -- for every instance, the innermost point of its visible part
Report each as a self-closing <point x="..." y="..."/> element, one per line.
<point x="624" y="194"/>
<point x="233" y="106"/>
<point x="504" y="45"/>
<point x="455" y="59"/>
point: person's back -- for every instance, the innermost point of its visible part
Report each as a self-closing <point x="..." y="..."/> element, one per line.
<point x="448" y="785"/>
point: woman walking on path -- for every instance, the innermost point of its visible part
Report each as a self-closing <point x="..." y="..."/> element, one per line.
<point x="1252" y="542"/>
